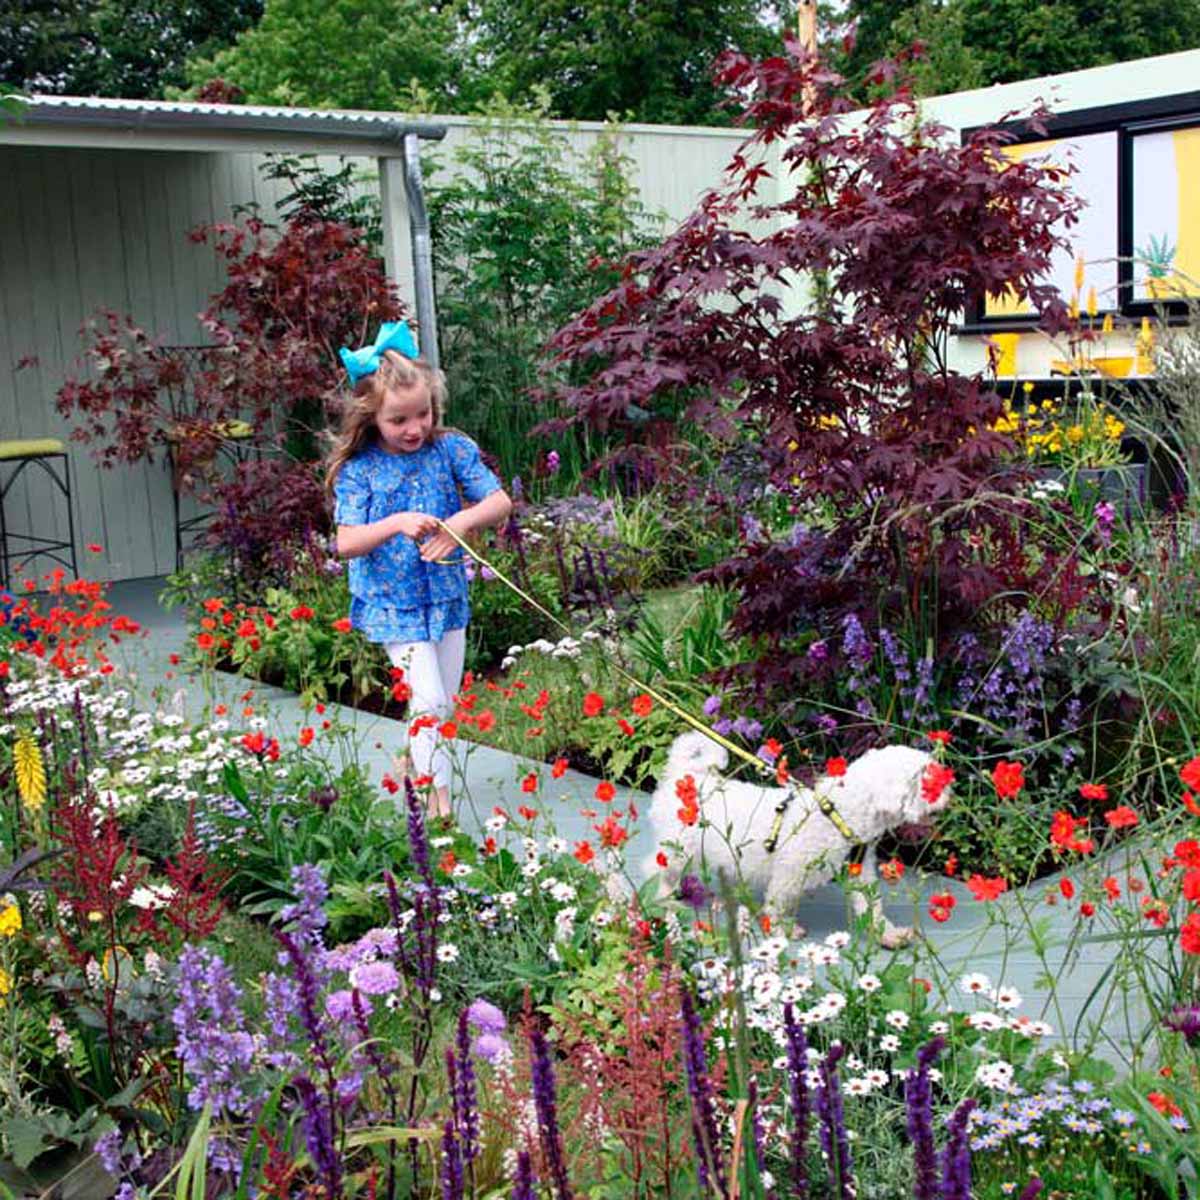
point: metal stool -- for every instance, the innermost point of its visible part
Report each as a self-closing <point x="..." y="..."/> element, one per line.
<point x="51" y="456"/>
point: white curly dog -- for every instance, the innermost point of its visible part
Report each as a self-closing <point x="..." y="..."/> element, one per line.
<point x="879" y="792"/>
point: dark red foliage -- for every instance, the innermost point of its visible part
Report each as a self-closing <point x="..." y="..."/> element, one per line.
<point x="899" y="228"/>
<point x="195" y="908"/>
<point x="95" y="875"/>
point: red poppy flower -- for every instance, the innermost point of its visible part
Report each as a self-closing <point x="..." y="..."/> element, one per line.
<point x="642" y="705"/>
<point x="941" y="736"/>
<point x="985" y="889"/>
<point x="584" y="852"/>
<point x="1189" y="802"/>
<point x="448" y="862"/>
<point x="625" y="727"/>
<point x="488" y="847"/>
<point x="770" y="749"/>
<point x="213" y="604"/>
<point x="1094" y="791"/>
<point x="1189" y="934"/>
<point x="448" y="729"/>
<point x="935" y="779"/>
<point x="593" y="705"/>
<point x="525" y="811"/>
<point x="529" y="784"/>
<point x="302" y="613"/>
<point x="205" y="641"/>
<point x="1008" y="778"/>
<point x="1190" y="774"/>
<point x="892" y="870"/>
<point x="1122" y="817"/>
<point x="486" y="721"/>
<point x="661" y="859"/>
<point x="306" y="736"/>
<point x="1191" y="885"/>
<point x="1112" y="888"/>
<point x="951" y="867"/>
<point x="605" y="792"/>
<point x="612" y="833"/>
<point x="342" y="625"/>
<point x="1067" y="888"/>
<point x="1087" y="909"/>
<point x="95" y="547"/>
<point x="835" y="767"/>
<point x="559" y="769"/>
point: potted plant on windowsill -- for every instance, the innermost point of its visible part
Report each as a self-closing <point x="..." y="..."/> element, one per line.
<point x="1079" y="443"/>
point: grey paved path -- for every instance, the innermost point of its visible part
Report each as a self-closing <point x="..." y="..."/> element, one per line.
<point x="488" y="777"/>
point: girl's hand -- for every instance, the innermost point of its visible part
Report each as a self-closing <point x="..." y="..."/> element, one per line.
<point x="442" y="545"/>
<point x="414" y="525"/>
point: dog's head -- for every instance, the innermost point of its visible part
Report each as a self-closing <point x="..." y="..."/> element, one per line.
<point x="896" y="778"/>
<point x="693" y="754"/>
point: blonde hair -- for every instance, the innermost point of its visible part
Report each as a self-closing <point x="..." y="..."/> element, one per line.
<point x="363" y="404"/>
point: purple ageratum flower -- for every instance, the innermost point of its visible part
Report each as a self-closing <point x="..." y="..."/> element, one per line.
<point x="375" y="978"/>
<point x="918" y="1100"/>
<point x="747" y="728"/>
<point x="712" y="706"/>
<point x="693" y="893"/>
<point x="210" y="1033"/>
<point x="1185" y="1020"/>
<point x="724" y="726"/>
<point x="486" y="574"/>
<point x="485" y="1017"/>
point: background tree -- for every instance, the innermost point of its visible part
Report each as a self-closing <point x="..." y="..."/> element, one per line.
<point x="344" y="54"/>
<point x="649" y="61"/>
<point x="975" y="43"/>
<point x="133" y="48"/>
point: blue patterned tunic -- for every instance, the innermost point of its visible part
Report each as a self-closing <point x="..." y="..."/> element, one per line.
<point x="395" y="596"/>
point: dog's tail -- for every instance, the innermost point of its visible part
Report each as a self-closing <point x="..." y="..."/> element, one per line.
<point x="695" y="753"/>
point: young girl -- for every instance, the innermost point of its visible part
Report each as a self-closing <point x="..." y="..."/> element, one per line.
<point x="393" y="470"/>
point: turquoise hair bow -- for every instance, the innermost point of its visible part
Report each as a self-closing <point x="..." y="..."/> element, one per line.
<point x="393" y="335"/>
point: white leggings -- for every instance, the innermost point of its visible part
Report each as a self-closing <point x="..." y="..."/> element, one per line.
<point x="434" y="672"/>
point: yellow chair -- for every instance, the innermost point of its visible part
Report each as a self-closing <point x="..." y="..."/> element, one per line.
<point x="50" y="455"/>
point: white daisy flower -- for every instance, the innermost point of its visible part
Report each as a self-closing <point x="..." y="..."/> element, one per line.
<point x="897" y="1019"/>
<point x="869" y="983"/>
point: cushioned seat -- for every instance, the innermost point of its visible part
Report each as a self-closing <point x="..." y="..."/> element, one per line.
<point x="50" y="456"/>
<point x="31" y="448"/>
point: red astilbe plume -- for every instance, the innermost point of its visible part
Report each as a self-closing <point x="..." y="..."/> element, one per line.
<point x="95" y="876"/>
<point x="195" y="908"/>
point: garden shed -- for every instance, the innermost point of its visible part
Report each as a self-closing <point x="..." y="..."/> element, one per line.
<point x="98" y="197"/>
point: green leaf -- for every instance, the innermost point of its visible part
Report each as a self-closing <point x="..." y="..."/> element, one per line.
<point x="26" y="1139"/>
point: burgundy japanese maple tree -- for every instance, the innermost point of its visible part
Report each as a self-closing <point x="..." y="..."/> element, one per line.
<point x="811" y="310"/>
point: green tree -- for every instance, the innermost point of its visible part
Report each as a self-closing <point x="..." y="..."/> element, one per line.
<point x="975" y="43"/>
<point x="133" y="48"/>
<point x="647" y="61"/>
<point x="342" y="54"/>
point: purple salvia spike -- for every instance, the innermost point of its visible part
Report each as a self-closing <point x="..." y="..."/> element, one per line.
<point x="318" y="1135"/>
<point x="834" y="1141"/>
<point x="797" y="1060"/>
<point x="704" y="1125"/>
<point x="545" y="1100"/>
<point x="918" y="1100"/>
<point x="956" y="1156"/>
<point x="418" y="838"/>
<point x="452" y="1172"/>
<point x="1032" y="1190"/>
<point x="467" y="1103"/>
<point x="525" y="1182"/>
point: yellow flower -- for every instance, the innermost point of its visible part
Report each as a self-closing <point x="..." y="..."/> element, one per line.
<point x="1107" y="327"/>
<point x="1092" y="306"/>
<point x="1075" y="435"/>
<point x="1079" y="273"/>
<point x="10" y="918"/>
<point x="30" y="772"/>
<point x="5" y="984"/>
<point x="1027" y="386"/>
<point x="829" y="422"/>
<point x="95" y="916"/>
<point x="793" y="445"/>
<point x="1031" y="410"/>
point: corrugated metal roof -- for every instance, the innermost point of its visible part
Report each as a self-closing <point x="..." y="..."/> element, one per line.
<point x="182" y="115"/>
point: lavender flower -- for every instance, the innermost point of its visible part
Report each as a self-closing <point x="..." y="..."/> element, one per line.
<point x="545" y="1100"/>
<point x="525" y="1182"/>
<point x="834" y="1141"/>
<point x="712" y="706"/>
<point x="797" y="1060"/>
<point x="704" y="1121"/>
<point x="211" y="1038"/>
<point x="956" y="1156"/>
<point x="108" y="1150"/>
<point x="307" y="916"/>
<point x="918" y="1099"/>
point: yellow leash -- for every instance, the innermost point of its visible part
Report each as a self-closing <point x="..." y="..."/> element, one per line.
<point x="823" y="802"/>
